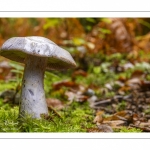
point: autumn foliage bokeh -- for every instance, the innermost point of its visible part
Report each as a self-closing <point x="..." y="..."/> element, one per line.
<point x="86" y="38"/>
<point x="108" y="35"/>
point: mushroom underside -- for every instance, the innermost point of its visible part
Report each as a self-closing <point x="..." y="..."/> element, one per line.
<point x="53" y="63"/>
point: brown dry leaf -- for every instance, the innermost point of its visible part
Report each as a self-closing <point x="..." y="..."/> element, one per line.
<point x="137" y="74"/>
<point x="66" y="83"/>
<point x="122" y="79"/>
<point x="115" y="124"/>
<point x="145" y="85"/>
<point x="109" y="122"/>
<point x="124" y="89"/>
<point x="5" y="70"/>
<point x="121" y="37"/>
<point x="79" y="73"/>
<point x="144" y="129"/>
<point x="133" y="83"/>
<point x="99" y="117"/>
<point x="144" y="43"/>
<point x="55" y="103"/>
<point x="122" y="115"/>
<point x="76" y="96"/>
<point x="136" y="119"/>
<point x="144" y="124"/>
<point x="133" y="55"/>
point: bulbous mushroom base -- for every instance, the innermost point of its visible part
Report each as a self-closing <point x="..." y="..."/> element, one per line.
<point x="33" y="101"/>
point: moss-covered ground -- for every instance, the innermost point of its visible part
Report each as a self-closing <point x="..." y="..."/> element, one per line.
<point x="76" y="118"/>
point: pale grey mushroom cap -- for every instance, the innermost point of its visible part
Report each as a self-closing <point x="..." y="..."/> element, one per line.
<point x="17" y="48"/>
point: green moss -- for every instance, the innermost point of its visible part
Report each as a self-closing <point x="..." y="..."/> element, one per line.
<point x="125" y="129"/>
<point x="121" y="106"/>
<point x="76" y="118"/>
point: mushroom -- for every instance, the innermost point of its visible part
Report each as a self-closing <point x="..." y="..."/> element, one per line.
<point x="38" y="54"/>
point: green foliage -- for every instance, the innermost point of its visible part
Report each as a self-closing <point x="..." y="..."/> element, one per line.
<point x="7" y="85"/>
<point x="88" y="23"/>
<point x="147" y="111"/>
<point x="116" y="57"/>
<point x="97" y="69"/>
<point x="145" y="23"/>
<point x="143" y="66"/>
<point x="51" y="22"/>
<point x="121" y="106"/>
<point x="17" y="66"/>
<point x="18" y="71"/>
<point x="106" y="20"/>
<point x="49" y="79"/>
<point x="103" y="32"/>
<point x="78" y="41"/>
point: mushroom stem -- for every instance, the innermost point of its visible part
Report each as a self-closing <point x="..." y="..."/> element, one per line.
<point x="33" y="101"/>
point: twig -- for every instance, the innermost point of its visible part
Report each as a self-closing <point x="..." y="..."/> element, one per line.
<point x="50" y="108"/>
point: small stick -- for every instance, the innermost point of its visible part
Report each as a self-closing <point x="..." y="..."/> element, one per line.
<point x="50" y="108"/>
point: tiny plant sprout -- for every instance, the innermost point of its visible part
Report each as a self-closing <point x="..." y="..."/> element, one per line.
<point x="38" y="54"/>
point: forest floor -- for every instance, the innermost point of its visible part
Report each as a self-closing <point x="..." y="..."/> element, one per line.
<point x="112" y="97"/>
<point x="109" y="91"/>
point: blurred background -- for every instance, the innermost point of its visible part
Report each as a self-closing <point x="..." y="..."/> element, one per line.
<point x="90" y="37"/>
<point x="91" y="41"/>
<point x="112" y="56"/>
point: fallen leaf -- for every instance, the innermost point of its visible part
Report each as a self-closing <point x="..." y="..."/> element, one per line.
<point x="76" y="96"/>
<point x="55" y="103"/>
<point x="66" y="83"/>
<point x="99" y="117"/>
<point x="79" y="73"/>
<point x="145" y="85"/>
<point x="137" y="74"/>
<point x="122" y="115"/>
<point x="144" y="129"/>
<point x="5" y="70"/>
<point x="115" y="124"/>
